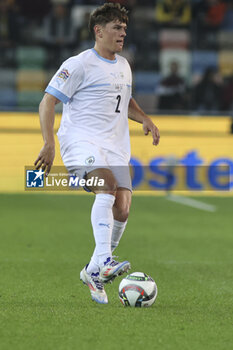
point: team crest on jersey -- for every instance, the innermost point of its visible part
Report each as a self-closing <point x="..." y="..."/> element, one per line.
<point x="118" y="75"/>
<point x="90" y="160"/>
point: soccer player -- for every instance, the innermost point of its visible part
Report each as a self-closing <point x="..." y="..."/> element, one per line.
<point x="95" y="88"/>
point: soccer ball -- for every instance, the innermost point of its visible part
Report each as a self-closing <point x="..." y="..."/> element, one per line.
<point x="138" y="290"/>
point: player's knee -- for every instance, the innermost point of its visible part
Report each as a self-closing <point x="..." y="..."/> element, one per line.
<point x="110" y="186"/>
<point x="107" y="182"/>
<point x="122" y="213"/>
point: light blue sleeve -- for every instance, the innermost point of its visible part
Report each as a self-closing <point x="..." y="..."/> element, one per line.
<point x="67" y="80"/>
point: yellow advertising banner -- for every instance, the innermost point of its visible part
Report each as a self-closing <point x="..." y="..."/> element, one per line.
<point x="195" y="153"/>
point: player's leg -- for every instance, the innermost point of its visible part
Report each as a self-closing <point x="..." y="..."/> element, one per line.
<point x="113" y="268"/>
<point x="121" y="209"/>
<point x="80" y="158"/>
<point x="102" y="223"/>
<point x="76" y="157"/>
<point x="102" y="217"/>
<point x="120" y="212"/>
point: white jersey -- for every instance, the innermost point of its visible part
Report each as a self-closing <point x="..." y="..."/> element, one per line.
<point x="95" y="93"/>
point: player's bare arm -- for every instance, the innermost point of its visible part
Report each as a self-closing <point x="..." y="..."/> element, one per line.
<point x="47" y="116"/>
<point x="137" y="114"/>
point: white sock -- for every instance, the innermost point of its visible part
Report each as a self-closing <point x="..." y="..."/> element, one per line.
<point x="93" y="266"/>
<point x="117" y="232"/>
<point x="102" y="223"/>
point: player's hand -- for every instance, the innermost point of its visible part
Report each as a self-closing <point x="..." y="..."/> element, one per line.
<point x="149" y="126"/>
<point x="45" y="158"/>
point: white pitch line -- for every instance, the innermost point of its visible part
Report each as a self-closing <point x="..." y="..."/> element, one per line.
<point x="191" y="203"/>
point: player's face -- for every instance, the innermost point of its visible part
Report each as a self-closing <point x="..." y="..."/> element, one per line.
<point x="113" y="35"/>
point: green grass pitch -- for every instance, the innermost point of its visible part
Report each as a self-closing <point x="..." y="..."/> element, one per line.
<point x="46" y="240"/>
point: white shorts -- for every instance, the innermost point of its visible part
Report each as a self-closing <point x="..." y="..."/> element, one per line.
<point x="82" y="157"/>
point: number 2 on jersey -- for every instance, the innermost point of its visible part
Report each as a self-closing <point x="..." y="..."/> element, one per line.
<point x="118" y="103"/>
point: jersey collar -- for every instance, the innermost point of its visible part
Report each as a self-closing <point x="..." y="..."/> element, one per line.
<point x="102" y="58"/>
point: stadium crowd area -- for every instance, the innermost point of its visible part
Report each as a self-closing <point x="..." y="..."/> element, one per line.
<point x="180" y="51"/>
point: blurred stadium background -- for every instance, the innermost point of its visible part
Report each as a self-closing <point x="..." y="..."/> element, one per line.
<point x="196" y="35"/>
<point x="181" y="54"/>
